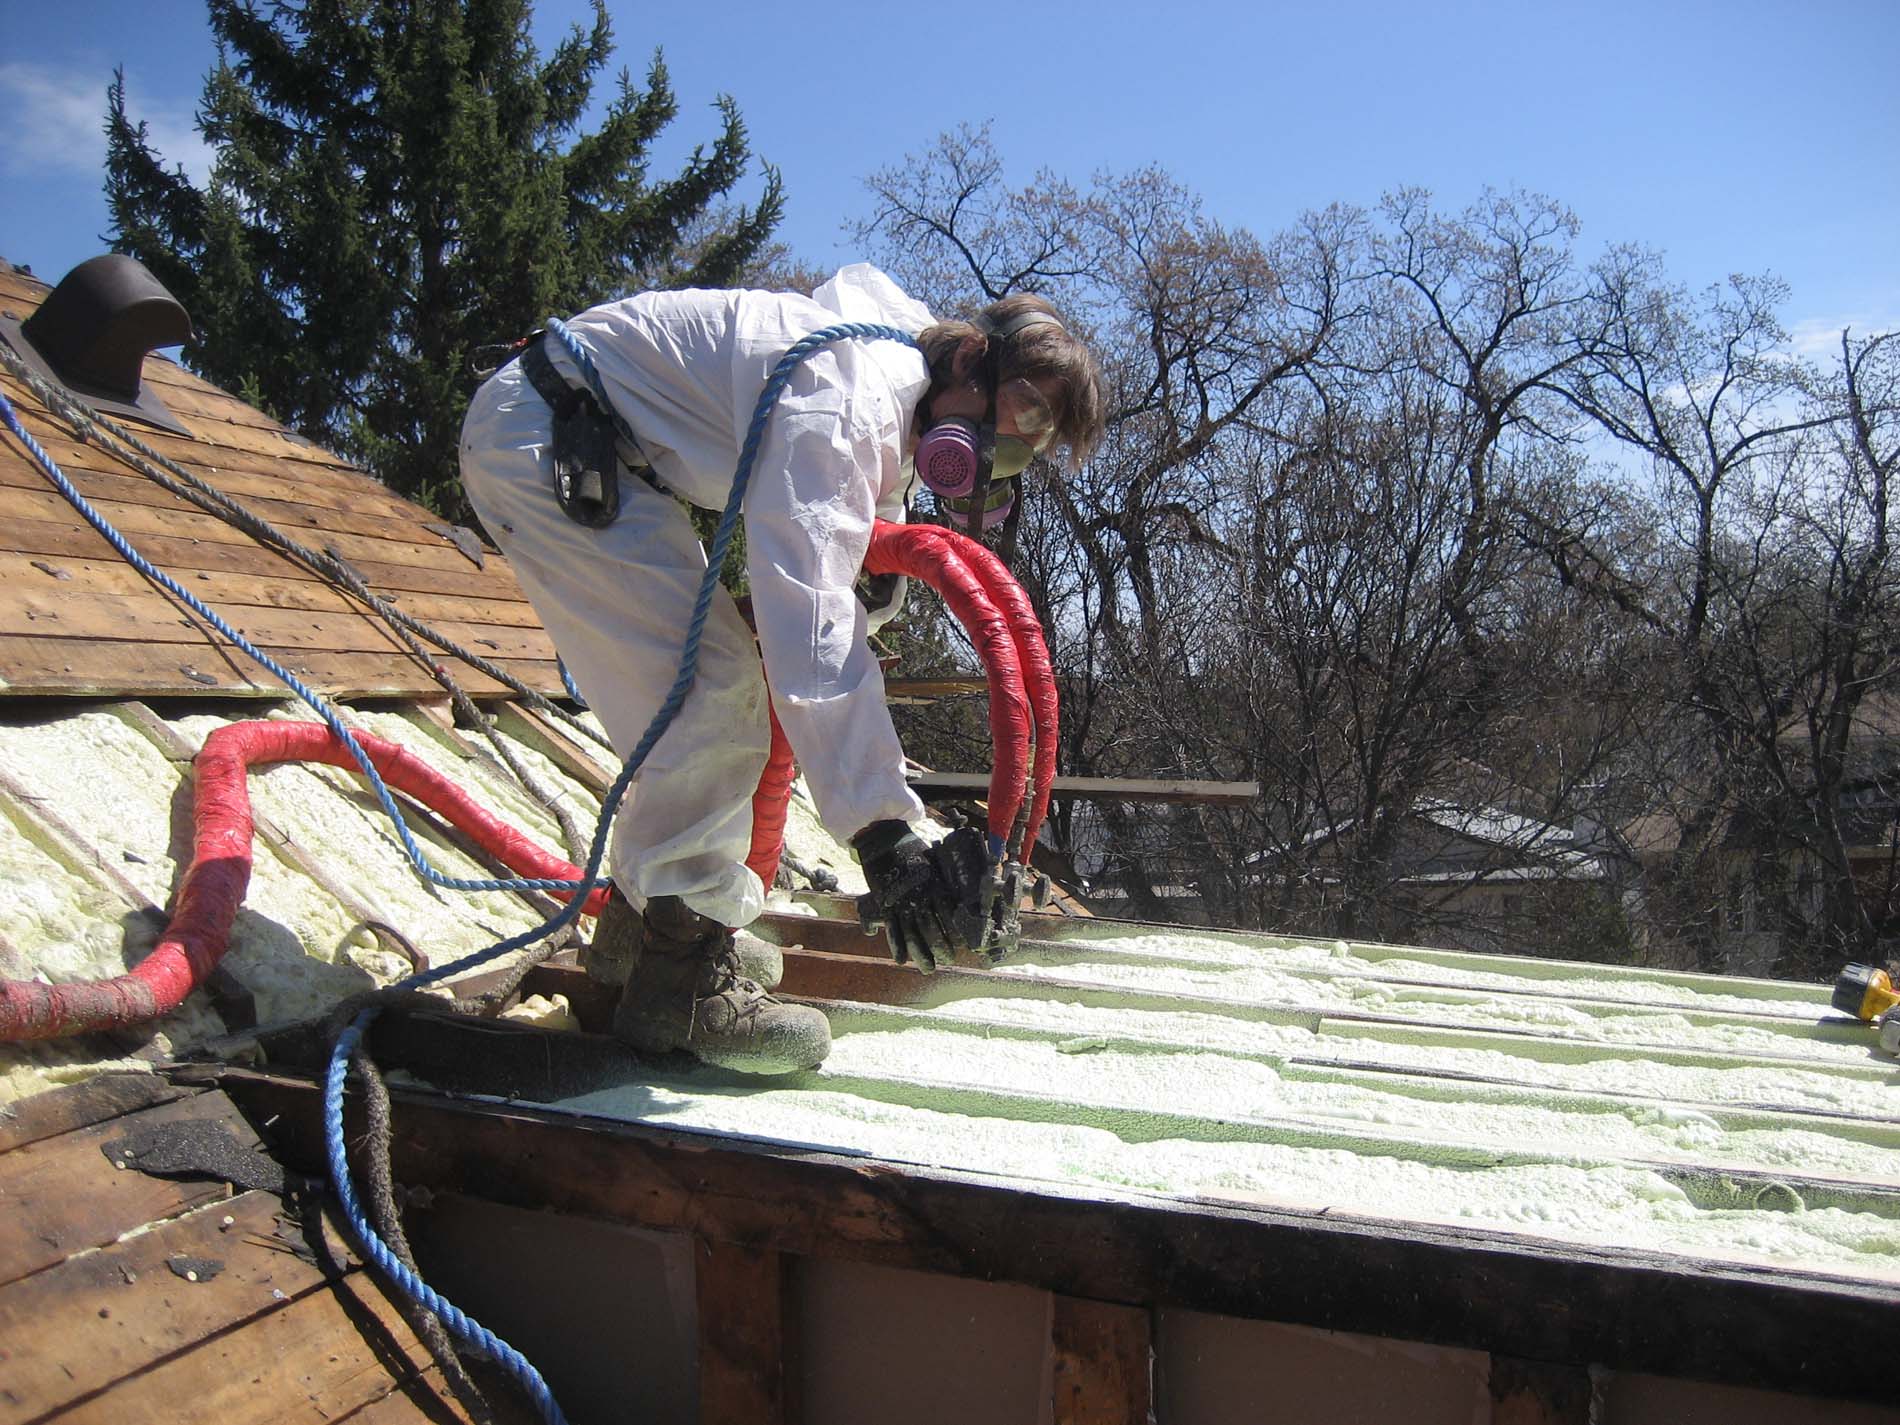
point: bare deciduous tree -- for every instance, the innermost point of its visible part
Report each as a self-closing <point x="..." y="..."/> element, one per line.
<point x="1417" y="521"/>
<point x="1197" y="326"/>
<point x="1772" y="587"/>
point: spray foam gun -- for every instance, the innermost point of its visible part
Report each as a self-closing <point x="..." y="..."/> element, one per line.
<point x="986" y="919"/>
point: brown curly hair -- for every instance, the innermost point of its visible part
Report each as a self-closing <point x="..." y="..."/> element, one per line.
<point x="1043" y="353"/>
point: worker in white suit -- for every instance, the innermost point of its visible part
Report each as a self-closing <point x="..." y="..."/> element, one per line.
<point x="613" y="568"/>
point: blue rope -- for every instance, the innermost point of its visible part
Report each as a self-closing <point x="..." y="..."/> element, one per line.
<point x="465" y="1328"/>
<point x="567" y="681"/>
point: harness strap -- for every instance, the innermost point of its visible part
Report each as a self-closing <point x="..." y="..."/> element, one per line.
<point x="586" y="488"/>
<point x="547" y="382"/>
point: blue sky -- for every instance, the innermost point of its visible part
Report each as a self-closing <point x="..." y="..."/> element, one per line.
<point x="1737" y="136"/>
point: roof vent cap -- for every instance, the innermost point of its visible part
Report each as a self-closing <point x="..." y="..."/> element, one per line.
<point x="100" y="323"/>
<point x="94" y="330"/>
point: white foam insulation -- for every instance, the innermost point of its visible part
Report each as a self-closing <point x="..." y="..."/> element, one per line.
<point x="1715" y="1119"/>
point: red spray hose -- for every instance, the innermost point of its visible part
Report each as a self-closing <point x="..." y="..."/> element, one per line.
<point x="213" y="887"/>
<point x="901" y="549"/>
<point x="1032" y="653"/>
<point x="1039" y="676"/>
<point x="974" y="585"/>
<point x="988" y="601"/>
<point x="769" y="804"/>
<point x="931" y="553"/>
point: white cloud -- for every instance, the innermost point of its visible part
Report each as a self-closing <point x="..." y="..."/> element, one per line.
<point x="55" y="124"/>
<point x="1819" y="338"/>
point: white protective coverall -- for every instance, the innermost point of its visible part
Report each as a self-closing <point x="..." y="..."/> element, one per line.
<point x="685" y="370"/>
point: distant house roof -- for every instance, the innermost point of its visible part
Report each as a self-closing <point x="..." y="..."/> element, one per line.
<point x="1449" y="841"/>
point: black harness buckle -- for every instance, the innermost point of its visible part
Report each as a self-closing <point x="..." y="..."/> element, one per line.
<point x="586" y="460"/>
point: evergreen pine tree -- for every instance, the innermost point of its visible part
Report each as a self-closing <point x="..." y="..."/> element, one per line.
<point x="399" y="183"/>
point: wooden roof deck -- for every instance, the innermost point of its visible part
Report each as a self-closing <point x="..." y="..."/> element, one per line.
<point x="131" y="1295"/>
<point x="76" y="619"/>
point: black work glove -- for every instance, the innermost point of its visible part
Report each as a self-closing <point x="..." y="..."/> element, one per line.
<point x="931" y="901"/>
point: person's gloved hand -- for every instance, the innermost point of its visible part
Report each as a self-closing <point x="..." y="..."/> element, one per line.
<point x="931" y="900"/>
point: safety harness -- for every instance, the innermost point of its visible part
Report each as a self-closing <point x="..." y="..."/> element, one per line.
<point x="586" y="453"/>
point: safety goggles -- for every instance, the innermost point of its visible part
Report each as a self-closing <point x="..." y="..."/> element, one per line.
<point x="1012" y="457"/>
<point x="1036" y="422"/>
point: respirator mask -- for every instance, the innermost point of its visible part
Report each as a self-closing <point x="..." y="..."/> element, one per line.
<point x="970" y="468"/>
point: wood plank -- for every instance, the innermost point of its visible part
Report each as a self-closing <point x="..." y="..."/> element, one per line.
<point x="877" y="979"/>
<point x="1103" y="1356"/>
<point x="846" y="937"/>
<point x="216" y="445"/>
<point x="943" y="786"/>
<point x="211" y="422"/>
<point x="139" y="522"/>
<point x="497" y="643"/>
<point x="298" y="588"/>
<point x="62" y="1196"/>
<point x="357" y="675"/>
<point x="810" y="932"/>
<point x="23" y="574"/>
<point x="358" y="508"/>
<point x="202" y="409"/>
<point x="585" y="762"/>
<point x="321" y="1357"/>
<point x="426" y="1400"/>
<point x="77" y="1328"/>
<point x="303" y="519"/>
<point x="22" y="290"/>
<point x="110" y="668"/>
<point x="74" y="1106"/>
<point x="272" y="441"/>
<point x="308" y="469"/>
<point x="103" y="479"/>
<point x="192" y="394"/>
<point x="184" y="558"/>
<point x="218" y="422"/>
<point x="205" y="408"/>
<point x="836" y="920"/>
<point x="1780" y="1329"/>
<point x="744" y="1371"/>
<point x="153" y="616"/>
<point x="900" y="688"/>
<point x="210" y="448"/>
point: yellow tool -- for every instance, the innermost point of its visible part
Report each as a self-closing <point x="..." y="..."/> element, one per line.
<point x="1868" y="994"/>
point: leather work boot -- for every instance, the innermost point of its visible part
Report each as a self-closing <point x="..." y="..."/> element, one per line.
<point x="758" y="960"/>
<point x="688" y="992"/>
<point x="615" y="948"/>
